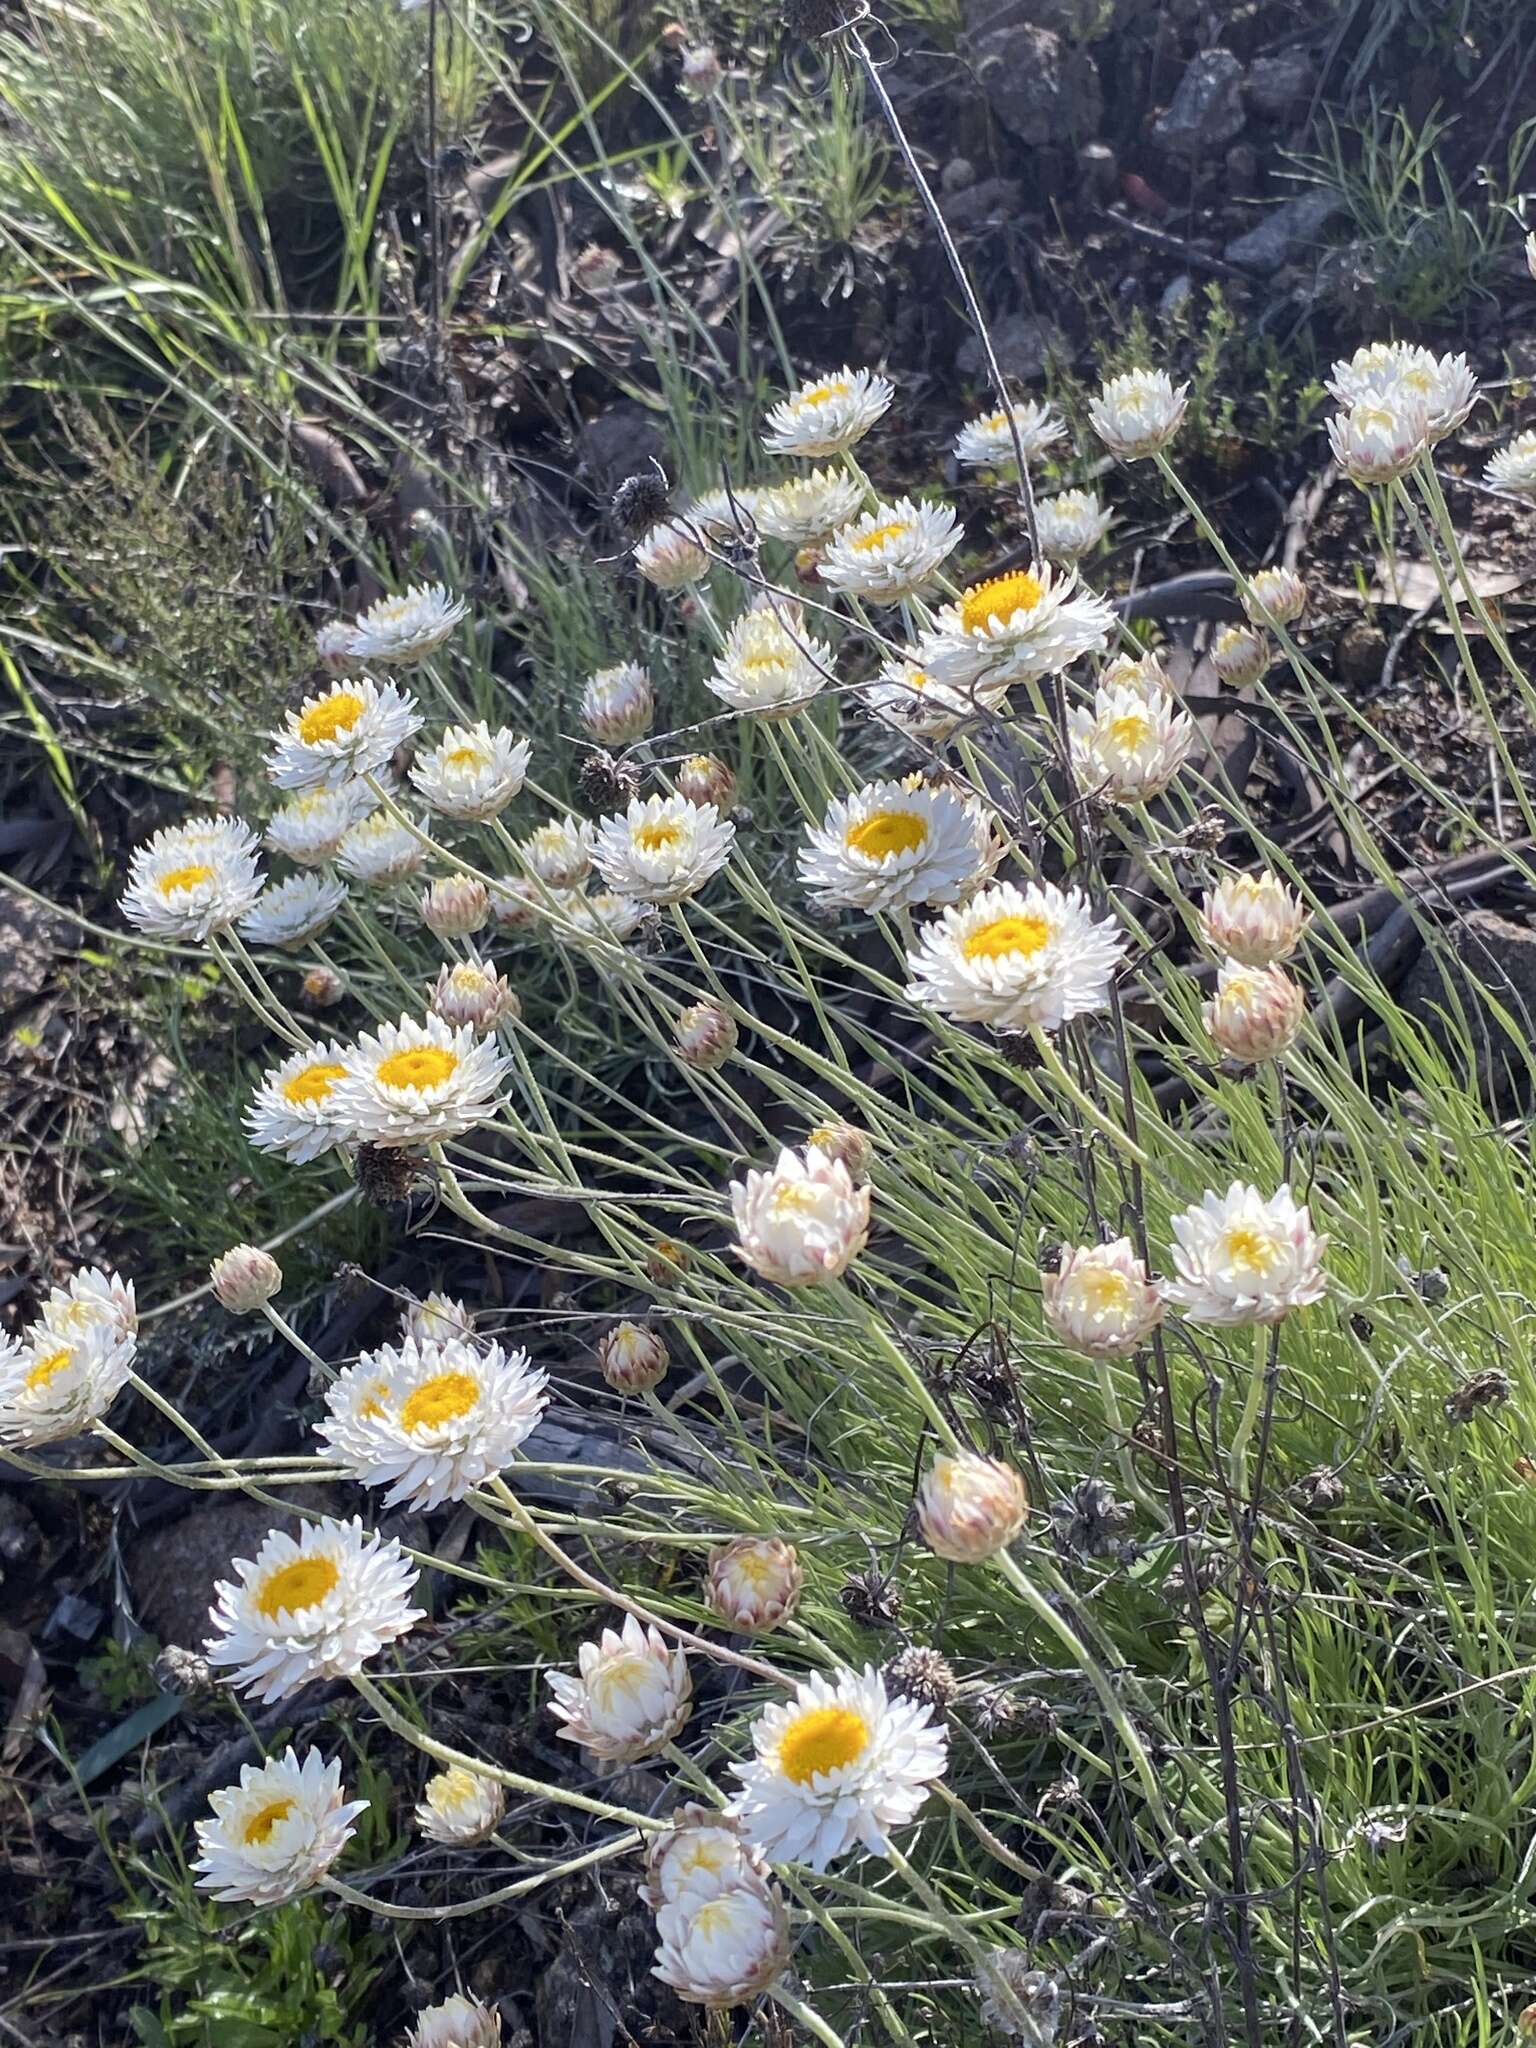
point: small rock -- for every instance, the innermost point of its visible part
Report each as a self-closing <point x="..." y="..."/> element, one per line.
<point x="33" y="942"/>
<point x="1482" y="965"/>
<point x="982" y="205"/>
<point x="1358" y="654"/>
<point x="957" y="174"/>
<point x="1041" y="89"/>
<point x="1284" y="233"/>
<point x="1280" y="85"/>
<point x="1206" y="110"/>
<point x="174" y="1571"/>
<point x="1079" y="21"/>
<point x="1098" y="172"/>
<point x="1023" y="343"/>
<point x="1175" y="295"/>
<point x="1242" y="168"/>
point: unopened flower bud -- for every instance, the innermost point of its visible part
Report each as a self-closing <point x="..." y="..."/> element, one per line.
<point x="1525" y="2025"/>
<point x="754" y="1583"/>
<point x="1274" y="597"/>
<point x="455" y="906"/>
<point x="516" y="905"/>
<point x="970" y="1507"/>
<point x="334" y="646"/>
<point x="1255" y="919"/>
<point x="618" y="704"/>
<point x="844" y="1141"/>
<point x="1255" y="1013"/>
<point x="633" y="1358"/>
<point x="1239" y="655"/>
<point x="321" y="988"/>
<point x="705" y="779"/>
<point x="705" y="1036"/>
<point x="666" y="1262"/>
<point x="472" y="992"/>
<point x="702" y="71"/>
<point x="244" y="1277"/>
<point x="808" y="562"/>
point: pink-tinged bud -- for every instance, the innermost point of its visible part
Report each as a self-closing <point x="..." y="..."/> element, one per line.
<point x="455" y="906"/>
<point x="667" y="1261"/>
<point x="1254" y="919"/>
<point x="321" y="988"/>
<point x="1240" y="655"/>
<point x="334" y="645"/>
<point x="472" y="992"/>
<point x="839" y="1140"/>
<point x="1099" y="1299"/>
<point x="705" y="1037"/>
<point x="633" y="1358"/>
<point x="618" y="704"/>
<point x="1274" y="597"/>
<point x="754" y="1583"/>
<point x="970" y="1507"/>
<point x="244" y="1277"/>
<point x="595" y="268"/>
<point x="808" y="562"/>
<point x="516" y="906"/>
<point x="702" y="72"/>
<point x="705" y="779"/>
<point x="1525" y="2025"/>
<point x="1255" y="1013"/>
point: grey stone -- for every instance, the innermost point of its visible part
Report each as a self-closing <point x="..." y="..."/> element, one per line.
<point x="1241" y="165"/>
<point x="1175" y="295"/>
<point x="1206" y="111"/>
<point x="1041" y="88"/>
<point x="957" y="175"/>
<point x="1023" y="341"/>
<point x="1280" y="85"/>
<point x="982" y="205"/>
<point x="1286" y="231"/>
<point x="617" y="444"/>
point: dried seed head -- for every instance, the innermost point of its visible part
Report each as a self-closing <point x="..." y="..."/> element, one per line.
<point x="604" y="784"/>
<point x="640" y="500"/>
<point x="921" y="1674"/>
<point x="1018" y="2002"/>
<point x="321" y="988"/>
<point x="871" y="1600"/>
<point x="185" y="1671"/>
<point x="385" y="1175"/>
<point x="1483" y="1390"/>
<point x="990" y="1378"/>
<point x="244" y="1277"/>
<point x="1092" y="1522"/>
<point x="1319" y="1491"/>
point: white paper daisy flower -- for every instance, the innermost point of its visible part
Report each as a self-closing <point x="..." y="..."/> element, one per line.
<point x="472" y="992"/>
<point x="670" y="556"/>
<point x="351" y="729"/>
<point x="419" y="1082"/>
<point x="827" y="415"/>
<point x="55" y="1383"/>
<point x="838" y="1767"/>
<point x="1017" y="958"/>
<point x="725" y="1950"/>
<point x="190" y="881"/>
<point x="807" y="508"/>
<point x="334" y="646"/>
<point x="894" y="844"/>
<point x="970" y="1507"/>
<point x="93" y="1297"/>
<point x="662" y="849"/>
<point x="289" y="913"/>
<point x="631" y="1694"/>
<point x="430" y="1421"/>
<point x="1398" y="372"/>
<point x="1377" y="439"/>
<point x="276" y="1833"/>
<point x="296" y="1111"/>
<point x="1099" y="1299"/>
<point x="560" y="852"/>
<point x="1129" y="745"/>
<point x="404" y="628"/>
<point x="771" y="665"/>
<point x="802" y="1223"/>
<point x="459" y="2022"/>
<point x="438" y="1318"/>
<point x="309" y="827"/>
<point x="722" y="516"/>
<point x="618" y="704"/>
<point x="1016" y="628"/>
<point x="380" y="850"/>
<point x="909" y="697"/>
<point x="1071" y="525"/>
<point x="472" y="772"/>
<point x="596" y="920"/>
<point x="988" y="442"/>
<point x="460" y="1808"/>
<point x="1256" y="919"/>
<point x="1138" y="413"/>
<point x="702" y="1854"/>
<point x="1514" y="468"/>
<point x="1243" y="1257"/>
<point x="890" y="552"/>
<point x="316" y="1605"/>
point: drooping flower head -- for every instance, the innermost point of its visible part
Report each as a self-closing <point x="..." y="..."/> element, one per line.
<point x="191" y="881"/>
<point x="351" y="729"/>
<point x="1017" y="958"/>
<point x="276" y="1833"/>
<point x="803" y="1222"/>
<point x="828" y="415"/>
<point x="1241" y="654"/>
<point x="1243" y="1257"/>
<point x="630" y="1695"/>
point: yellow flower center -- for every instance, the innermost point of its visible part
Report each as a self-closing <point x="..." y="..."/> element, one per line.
<point x="622" y="1679"/>
<point x="714" y="1917"/>
<point x="664" y="832"/>
<point x="260" y="1825"/>
<point x="1375" y="419"/>
<point x="1252" y="1250"/>
<point x="886" y="832"/>
<point x="755" y="1566"/>
<point x="293" y="1587"/>
<point x="469" y="979"/>
<point x="792" y="1198"/>
<point x="1103" y="1291"/>
<point x="999" y="598"/>
<point x="823" y="1740"/>
<point x="710" y="1851"/>
<point x="312" y="1083"/>
<point x="880" y="536"/>
<point x="1025" y="934"/>
<point x="452" y="1790"/>
<point x="335" y="714"/>
<point x="184" y="878"/>
<point x="47" y="1370"/>
<point x="823" y="394"/>
<point x="443" y="1398"/>
<point x="1131" y="729"/>
<point x="417" y="1066"/>
<point x="465" y="757"/>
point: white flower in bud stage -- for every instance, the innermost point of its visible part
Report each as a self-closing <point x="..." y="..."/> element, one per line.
<point x="662" y="849"/>
<point x="518" y="905"/>
<point x="1255" y="1013"/>
<point x="1240" y="655"/>
<point x="908" y="696"/>
<point x="1242" y="1257"/>
<point x="838" y="1766"/>
<point x="632" y="1358"/>
<point x="846" y="1142"/>
<point x="618" y="704"/>
<point x="455" y="906"/>
<point x="770" y="664"/>
<point x="404" y="628"/>
<point x="317" y="1605"/>
<point x="92" y="1298"/>
<point x="334" y="646"/>
<point x="1130" y="745"/>
<point x="1138" y="413"/>
<point x="988" y="442"/>
<point x="379" y="850"/>
<point x="560" y="852"/>
<point x="1255" y="919"/>
<point x="276" y="1833"/>
<point x="802" y="1223"/>
<point x="1143" y="672"/>
<point x="1514" y="468"/>
<point x="891" y="552"/>
<point x="702" y="1854"/>
<point x="309" y="827"/>
<point x="351" y="729"/>
<point x="1399" y="373"/>
<point x="431" y="1420"/>
<point x="631" y="1694"/>
<point x="63" y="1373"/>
<point x="595" y="921"/>
<point x="1377" y="439"/>
<point x="895" y="844"/>
<point x="754" y="1583"/>
<point x="669" y="556"/>
<point x="970" y="1507"/>
<point x="459" y="2022"/>
<point x="472" y="772"/>
<point x="191" y="881"/>
<point x="296" y="1111"/>
<point x="1099" y="1299"/>
<point x="1014" y="629"/>
<point x="291" y="912"/>
<point x="472" y="992"/>
<point x="1071" y="524"/>
<point x="1017" y="958"/>
<point x="437" y="1319"/>
<point x="725" y="1950"/>
<point x="705" y="779"/>
<point x="460" y="1808"/>
<point x="419" y="1082"/>
<point x="244" y="1277"/>
<point x="828" y="415"/>
<point x="704" y="1036"/>
<point x="1274" y="597"/>
<point x="808" y="508"/>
